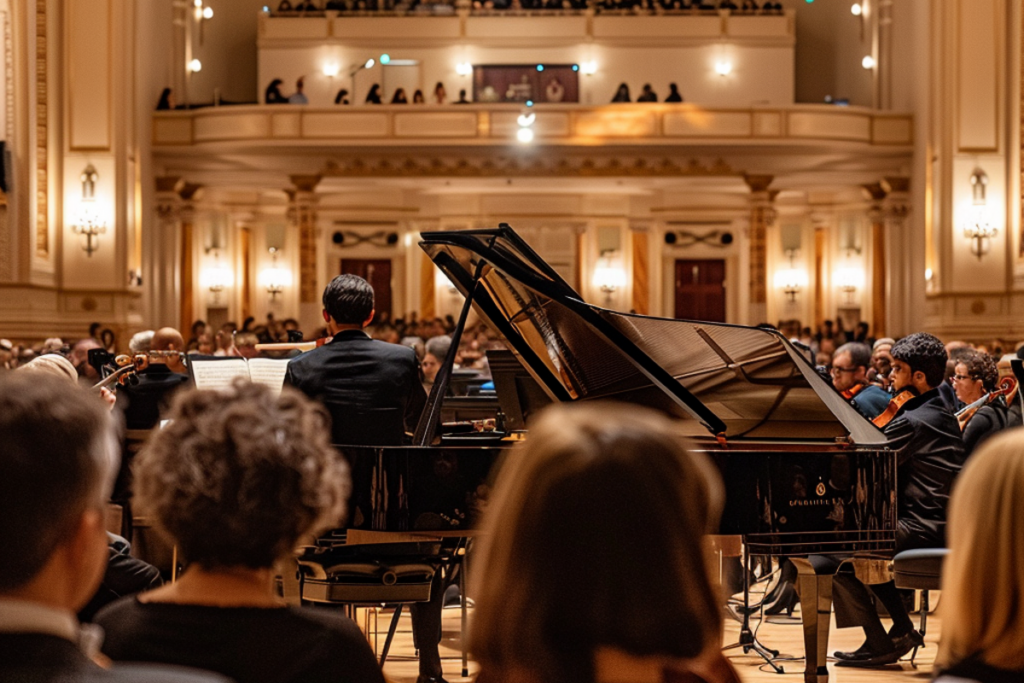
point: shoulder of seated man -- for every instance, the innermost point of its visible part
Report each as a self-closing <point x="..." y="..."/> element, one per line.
<point x="156" y="673"/>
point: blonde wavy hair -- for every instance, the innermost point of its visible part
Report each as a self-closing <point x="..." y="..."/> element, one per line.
<point x="983" y="577"/>
<point x="594" y="539"/>
<point x="238" y="477"/>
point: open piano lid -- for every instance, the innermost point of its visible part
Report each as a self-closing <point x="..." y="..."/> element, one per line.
<point x="729" y="380"/>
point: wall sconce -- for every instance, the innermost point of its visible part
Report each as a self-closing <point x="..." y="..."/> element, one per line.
<point x="89" y="221"/>
<point x="723" y="67"/>
<point x="978" y="227"/>
<point x="217" y="278"/>
<point x="791" y="280"/>
<point x="609" y="275"/>
<point x="275" y="278"/>
<point x="849" y="280"/>
<point x="331" y="69"/>
<point x="588" y="68"/>
<point x="526" y="121"/>
<point x="464" y="69"/>
<point x="201" y="14"/>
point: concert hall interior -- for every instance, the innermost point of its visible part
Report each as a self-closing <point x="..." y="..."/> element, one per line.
<point x="795" y="174"/>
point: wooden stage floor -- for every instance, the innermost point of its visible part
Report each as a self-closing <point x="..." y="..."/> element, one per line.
<point x="778" y="633"/>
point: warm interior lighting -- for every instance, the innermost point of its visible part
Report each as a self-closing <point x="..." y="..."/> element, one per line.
<point x="588" y="68"/>
<point x="207" y="13"/>
<point x="868" y="62"/>
<point x="331" y="69"/>
<point x="217" y="278"/>
<point x="525" y="135"/>
<point x="791" y="281"/>
<point x="609" y="276"/>
<point x="275" y="278"/>
<point x="856" y="9"/>
<point x="195" y="66"/>
<point x="464" y="68"/>
<point x="978" y="227"/>
<point x="89" y="222"/>
<point x="723" y="67"/>
<point x="849" y="280"/>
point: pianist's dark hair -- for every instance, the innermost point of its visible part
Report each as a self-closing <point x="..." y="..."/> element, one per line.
<point x="922" y="352"/>
<point x="239" y="476"/>
<point x="348" y="299"/>
<point x="595" y="539"/>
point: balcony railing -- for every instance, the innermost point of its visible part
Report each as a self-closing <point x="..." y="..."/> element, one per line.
<point x="571" y="125"/>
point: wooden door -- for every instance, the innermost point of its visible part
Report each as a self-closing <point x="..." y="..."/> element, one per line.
<point x="700" y="289"/>
<point x="378" y="273"/>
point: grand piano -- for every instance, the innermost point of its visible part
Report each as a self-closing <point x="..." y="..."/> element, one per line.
<point x="804" y="472"/>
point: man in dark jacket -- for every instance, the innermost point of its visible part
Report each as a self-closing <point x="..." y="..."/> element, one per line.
<point x="371" y="388"/>
<point x="374" y="394"/>
<point x="55" y="471"/>
<point x="931" y="453"/>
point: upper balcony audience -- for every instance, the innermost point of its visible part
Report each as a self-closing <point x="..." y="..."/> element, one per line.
<point x="236" y="480"/>
<point x="56" y="467"/>
<point x="595" y="493"/>
<point x="983" y="579"/>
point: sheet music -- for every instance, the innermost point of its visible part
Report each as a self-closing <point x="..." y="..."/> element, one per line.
<point x="217" y="374"/>
<point x="268" y="371"/>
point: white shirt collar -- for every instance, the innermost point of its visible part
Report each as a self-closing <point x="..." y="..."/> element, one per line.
<point x="23" y="616"/>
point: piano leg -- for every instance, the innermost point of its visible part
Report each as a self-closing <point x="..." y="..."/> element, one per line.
<point x="816" y="612"/>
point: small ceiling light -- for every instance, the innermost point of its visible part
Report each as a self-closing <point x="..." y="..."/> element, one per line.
<point x="195" y="65"/>
<point x="723" y="67"/>
<point x="868" y="62"/>
<point x="856" y="9"/>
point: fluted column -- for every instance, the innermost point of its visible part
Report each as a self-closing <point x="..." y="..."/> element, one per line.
<point x="762" y="215"/>
<point x="160" y="275"/>
<point x="641" y="269"/>
<point x="302" y="216"/>
<point x="190" y="194"/>
<point x="899" y="257"/>
<point x="879" y="274"/>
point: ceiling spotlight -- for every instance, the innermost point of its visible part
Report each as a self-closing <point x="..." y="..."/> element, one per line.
<point x="195" y="65"/>
<point x="856" y="9"/>
<point x="868" y="62"/>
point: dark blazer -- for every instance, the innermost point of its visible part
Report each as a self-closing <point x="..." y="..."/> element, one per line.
<point x="931" y="454"/>
<point x="371" y="388"/>
<point x="987" y="422"/>
<point x="40" y="658"/>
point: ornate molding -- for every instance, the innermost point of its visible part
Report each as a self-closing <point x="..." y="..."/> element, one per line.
<point x="590" y="166"/>
<point x="42" y="146"/>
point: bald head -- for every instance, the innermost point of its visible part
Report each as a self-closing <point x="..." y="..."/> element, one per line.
<point x="167" y="339"/>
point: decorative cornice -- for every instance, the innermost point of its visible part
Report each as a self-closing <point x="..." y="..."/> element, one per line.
<point x="487" y="167"/>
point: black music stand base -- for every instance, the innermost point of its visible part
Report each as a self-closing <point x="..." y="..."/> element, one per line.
<point x="748" y="641"/>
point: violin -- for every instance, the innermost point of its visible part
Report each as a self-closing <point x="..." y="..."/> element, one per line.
<point x="125" y="372"/>
<point x="895" y="403"/>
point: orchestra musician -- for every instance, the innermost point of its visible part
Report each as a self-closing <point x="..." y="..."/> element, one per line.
<point x="849" y="377"/>
<point x="373" y="392"/>
<point x="930" y="454"/>
<point x="975" y="381"/>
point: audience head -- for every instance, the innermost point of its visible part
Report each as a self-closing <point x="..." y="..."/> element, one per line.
<point x="79" y="357"/>
<point x="55" y="466"/>
<point x="587" y="475"/>
<point x="983" y="578"/>
<point x="205" y="344"/>
<point x="52" y="364"/>
<point x="141" y="342"/>
<point x="918" y="362"/>
<point x="238" y="477"/>
<point x="245" y="344"/>
<point x="850" y="365"/>
<point x="348" y="300"/>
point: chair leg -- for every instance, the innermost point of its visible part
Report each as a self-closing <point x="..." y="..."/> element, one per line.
<point x="391" y="634"/>
<point x="924" y="613"/>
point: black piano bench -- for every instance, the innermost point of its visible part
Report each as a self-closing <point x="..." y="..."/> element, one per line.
<point x="920" y="569"/>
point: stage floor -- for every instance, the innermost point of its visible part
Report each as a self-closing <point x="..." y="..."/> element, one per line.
<point x="779" y="633"/>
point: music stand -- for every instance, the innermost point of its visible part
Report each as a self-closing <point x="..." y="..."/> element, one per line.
<point x="747" y="640"/>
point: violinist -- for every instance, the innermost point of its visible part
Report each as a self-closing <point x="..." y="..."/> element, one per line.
<point x="930" y="454"/>
<point x="849" y="377"/>
<point x="987" y="413"/>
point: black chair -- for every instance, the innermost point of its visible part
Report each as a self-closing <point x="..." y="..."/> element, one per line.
<point x="919" y="569"/>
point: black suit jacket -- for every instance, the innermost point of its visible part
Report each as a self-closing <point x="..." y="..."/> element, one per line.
<point x="40" y="658"/>
<point x="371" y="388"/>
<point x="931" y="454"/>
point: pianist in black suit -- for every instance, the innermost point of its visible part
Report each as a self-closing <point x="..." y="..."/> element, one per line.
<point x="371" y="388"/>
<point x="55" y="474"/>
<point x="931" y="453"/>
